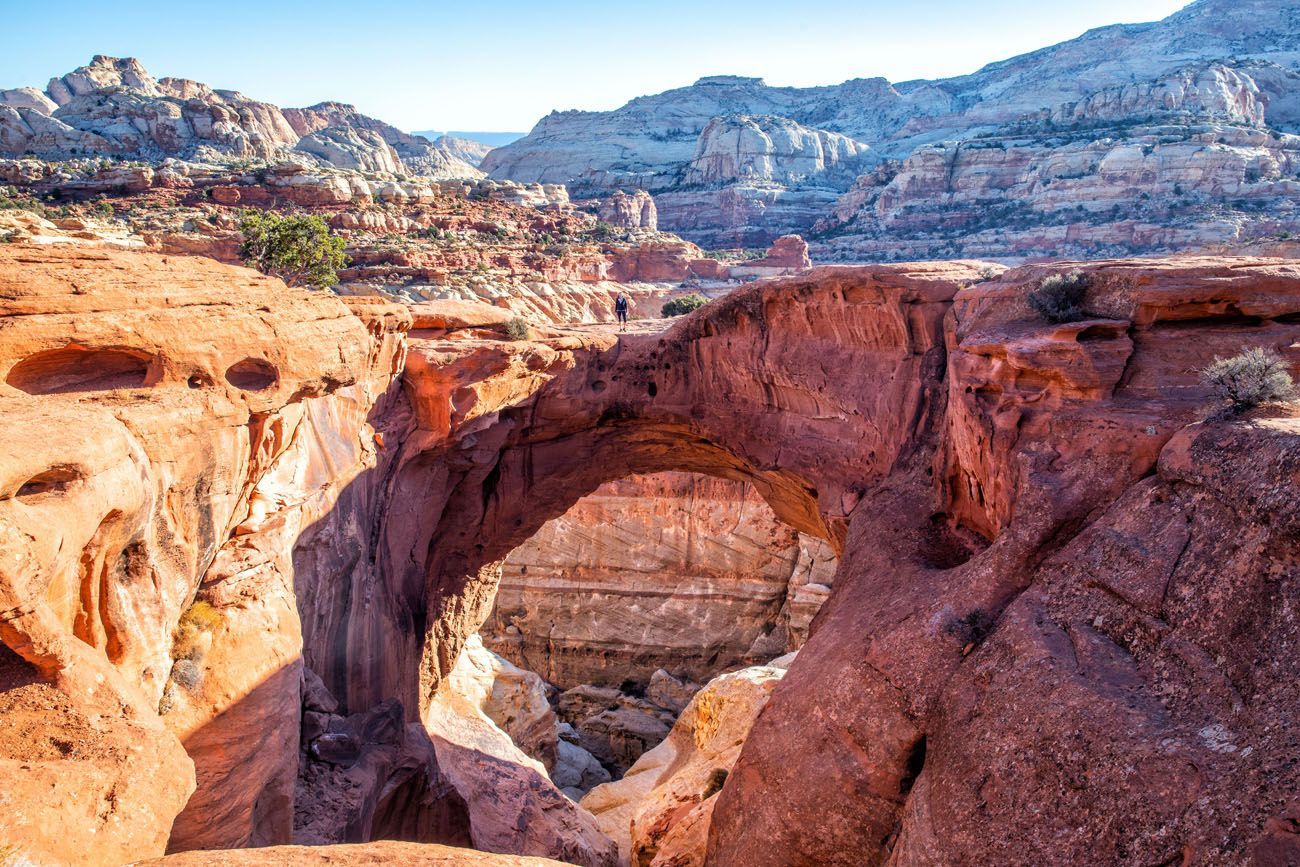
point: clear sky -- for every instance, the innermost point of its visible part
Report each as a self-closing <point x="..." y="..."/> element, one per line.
<point x="502" y="64"/>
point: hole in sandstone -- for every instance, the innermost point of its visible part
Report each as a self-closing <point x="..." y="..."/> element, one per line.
<point x="1097" y="332"/>
<point x="75" y="368"/>
<point x="252" y="374"/>
<point x="1200" y="322"/>
<point x="53" y="481"/>
<point x="598" y="386"/>
<point x="652" y="389"/>
<point x="631" y="601"/>
<point x="944" y="546"/>
<point x="199" y="380"/>
<point x="912" y="770"/>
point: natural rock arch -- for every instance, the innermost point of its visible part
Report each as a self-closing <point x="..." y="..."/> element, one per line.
<point x="809" y="390"/>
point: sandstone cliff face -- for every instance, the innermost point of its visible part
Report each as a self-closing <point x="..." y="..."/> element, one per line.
<point x="672" y="571"/>
<point x="773" y="149"/>
<point x="1157" y="186"/>
<point x="183" y="469"/>
<point x="731" y="160"/>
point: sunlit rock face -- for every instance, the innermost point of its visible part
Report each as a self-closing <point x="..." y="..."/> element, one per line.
<point x="1071" y="150"/>
<point x="677" y="571"/>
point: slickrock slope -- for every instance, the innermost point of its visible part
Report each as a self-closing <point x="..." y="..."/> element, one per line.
<point x="1168" y="136"/>
<point x="685" y="573"/>
<point x="1062" y="626"/>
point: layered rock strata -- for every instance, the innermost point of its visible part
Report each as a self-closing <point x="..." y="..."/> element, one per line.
<point x="690" y="574"/>
<point x="1137" y="138"/>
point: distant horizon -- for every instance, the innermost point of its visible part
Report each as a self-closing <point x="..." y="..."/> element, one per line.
<point x="532" y="60"/>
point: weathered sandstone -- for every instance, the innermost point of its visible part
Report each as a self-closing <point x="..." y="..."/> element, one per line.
<point x="1062" y="618"/>
<point x="1072" y="150"/>
<point x="666" y="793"/>
<point x="384" y="852"/>
<point x="678" y="572"/>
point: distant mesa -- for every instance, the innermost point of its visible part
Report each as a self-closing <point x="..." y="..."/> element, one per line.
<point x="1132" y="139"/>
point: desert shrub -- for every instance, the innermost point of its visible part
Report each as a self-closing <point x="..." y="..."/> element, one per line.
<point x="517" y="328"/>
<point x="1059" y="297"/>
<point x="299" y="249"/>
<point x="1249" y="378"/>
<point x="988" y="272"/>
<point x="168" y="701"/>
<point x="684" y="305"/>
<point x="197" y="621"/>
<point x="713" y="783"/>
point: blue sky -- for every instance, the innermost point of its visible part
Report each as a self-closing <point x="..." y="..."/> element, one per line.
<point x="501" y="65"/>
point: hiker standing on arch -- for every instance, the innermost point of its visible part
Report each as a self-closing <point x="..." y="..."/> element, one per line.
<point x="620" y="310"/>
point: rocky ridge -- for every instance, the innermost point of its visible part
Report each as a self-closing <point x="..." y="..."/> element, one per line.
<point x="1169" y="136"/>
<point x="114" y="107"/>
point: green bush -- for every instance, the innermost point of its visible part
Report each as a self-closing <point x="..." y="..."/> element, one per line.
<point x="1059" y="297"/>
<point x="517" y="328"/>
<point x="1249" y="378"/>
<point x="684" y="305"/>
<point x="299" y="249"/>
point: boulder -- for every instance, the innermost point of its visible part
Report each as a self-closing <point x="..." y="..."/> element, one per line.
<point x="674" y="783"/>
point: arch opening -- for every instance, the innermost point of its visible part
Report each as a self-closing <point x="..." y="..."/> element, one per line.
<point x="614" y="614"/>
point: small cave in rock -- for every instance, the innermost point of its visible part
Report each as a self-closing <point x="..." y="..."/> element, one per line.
<point x="74" y="368"/>
<point x="252" y="374"/>
<point x="620" y="610"/>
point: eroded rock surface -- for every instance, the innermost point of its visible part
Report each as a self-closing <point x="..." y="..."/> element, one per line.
<point x="1166" y="136"/>
<point x="679" y="572"/>
<point x="659" y="812"/>
<point x="384" y="852"/>
<point x="250" y="481"/>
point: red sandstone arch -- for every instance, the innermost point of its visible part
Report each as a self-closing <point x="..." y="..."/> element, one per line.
<point x="809" y="390"/>
<point x="868" y="407"/>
